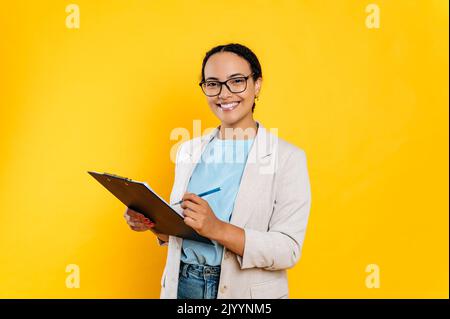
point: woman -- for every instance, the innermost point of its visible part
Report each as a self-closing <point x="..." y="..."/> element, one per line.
<point x="257" y="221"/>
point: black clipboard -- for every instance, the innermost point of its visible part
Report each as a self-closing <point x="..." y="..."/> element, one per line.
<point x="141" y="198"/>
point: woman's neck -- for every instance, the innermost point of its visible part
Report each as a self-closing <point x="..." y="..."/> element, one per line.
<point x="242" y="130"/>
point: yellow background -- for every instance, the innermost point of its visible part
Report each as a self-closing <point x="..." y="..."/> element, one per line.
<point x="369" y="107"/>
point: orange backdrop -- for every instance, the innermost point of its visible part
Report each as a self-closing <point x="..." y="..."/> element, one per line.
<point x="363" y="90"/>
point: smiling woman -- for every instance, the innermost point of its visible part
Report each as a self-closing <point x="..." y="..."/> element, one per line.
<point x="257" y="222"/>
<point x="242" y="86"/>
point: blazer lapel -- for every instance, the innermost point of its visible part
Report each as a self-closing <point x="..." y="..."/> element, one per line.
<point x="261" y="162"/>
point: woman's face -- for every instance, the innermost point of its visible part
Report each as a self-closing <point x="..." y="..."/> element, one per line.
<point x="231" y="108"/>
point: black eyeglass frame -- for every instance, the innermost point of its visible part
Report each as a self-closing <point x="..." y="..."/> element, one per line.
<point x="226" y="84"/>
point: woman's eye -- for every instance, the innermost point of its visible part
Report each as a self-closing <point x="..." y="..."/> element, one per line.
<point x="211" y="84"/>
<point x="237" y="81"/>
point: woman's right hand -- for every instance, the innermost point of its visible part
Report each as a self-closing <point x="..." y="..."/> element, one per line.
<point x="139" y="222"/>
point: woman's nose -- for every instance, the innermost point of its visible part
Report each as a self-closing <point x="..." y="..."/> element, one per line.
<point x="224" y="93"/>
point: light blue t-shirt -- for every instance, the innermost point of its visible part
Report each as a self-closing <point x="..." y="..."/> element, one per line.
<point x="221" y="165"/>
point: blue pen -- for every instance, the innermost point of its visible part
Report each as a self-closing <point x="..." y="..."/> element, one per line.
<point x="202" y="194"/>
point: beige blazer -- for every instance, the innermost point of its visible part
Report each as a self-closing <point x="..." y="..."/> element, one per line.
<point x="272" y="206"/>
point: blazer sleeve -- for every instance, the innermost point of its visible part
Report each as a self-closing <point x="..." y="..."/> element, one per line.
<point x="280" y="246"/>
<point x="177" y="158"/>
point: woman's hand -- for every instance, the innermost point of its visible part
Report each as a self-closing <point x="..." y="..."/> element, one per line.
<point x="200" y="216"/>
<point x="139" y="222"/>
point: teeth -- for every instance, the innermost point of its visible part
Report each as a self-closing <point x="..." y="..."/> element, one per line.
<point x="229" y="106"/>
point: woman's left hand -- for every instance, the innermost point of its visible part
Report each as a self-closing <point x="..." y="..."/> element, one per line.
<point x="200" y="216"/>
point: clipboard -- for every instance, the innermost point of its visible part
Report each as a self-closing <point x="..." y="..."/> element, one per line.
<point x="141" y="198"/>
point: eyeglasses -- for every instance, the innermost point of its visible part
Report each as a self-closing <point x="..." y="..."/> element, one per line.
<point x="234" y="85"/>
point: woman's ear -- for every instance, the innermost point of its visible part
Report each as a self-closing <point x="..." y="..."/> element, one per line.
<point x="258" y="85"/>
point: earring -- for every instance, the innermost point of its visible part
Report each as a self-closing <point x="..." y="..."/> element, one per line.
<point x="257" y="98"/>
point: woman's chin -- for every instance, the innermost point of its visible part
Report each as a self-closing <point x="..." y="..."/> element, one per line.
<point x="229" y="118"/>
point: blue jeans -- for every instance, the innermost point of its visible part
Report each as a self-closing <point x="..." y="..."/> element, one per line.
<point x="198" y="281"/>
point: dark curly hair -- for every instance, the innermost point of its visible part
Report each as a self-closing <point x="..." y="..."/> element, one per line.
<point x="243" y="52"/>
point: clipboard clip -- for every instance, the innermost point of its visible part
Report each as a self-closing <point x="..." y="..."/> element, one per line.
<point x="117" y="176"/>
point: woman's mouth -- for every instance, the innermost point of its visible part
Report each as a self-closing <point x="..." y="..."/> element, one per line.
<point x="228" y="106"/>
